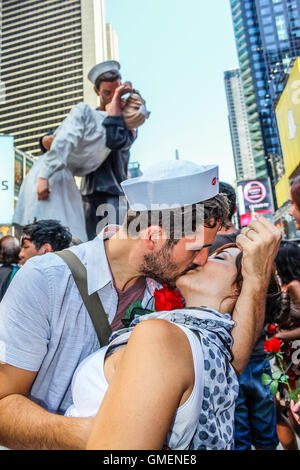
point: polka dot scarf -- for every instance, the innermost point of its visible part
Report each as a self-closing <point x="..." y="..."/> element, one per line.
<point x="215" y="430"/>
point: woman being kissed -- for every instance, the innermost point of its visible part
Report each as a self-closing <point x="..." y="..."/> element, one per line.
<point x="169" y="380"/>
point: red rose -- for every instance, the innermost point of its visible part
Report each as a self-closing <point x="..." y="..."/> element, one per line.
<point x="167" y="299"/>
<point x="272" y="329"/>
<point x="273" y="345"/>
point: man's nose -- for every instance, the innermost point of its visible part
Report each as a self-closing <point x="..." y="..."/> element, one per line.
<point x="201" y="257"/>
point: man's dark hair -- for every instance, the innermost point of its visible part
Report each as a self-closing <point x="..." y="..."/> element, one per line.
<point x="227" y="189"/>
<point x="215" y="210"/>
<point x="48" y="231"/>
<point x="107" y="77"/>
<point x="9" y="250"/>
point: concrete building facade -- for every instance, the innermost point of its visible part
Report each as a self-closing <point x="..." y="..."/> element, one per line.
<point x="48" y="47"/>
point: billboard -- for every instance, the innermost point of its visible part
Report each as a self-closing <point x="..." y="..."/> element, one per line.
<point x="288" y="120"/>
<point x="254" y="196"/>
<point x="7" y="158"/>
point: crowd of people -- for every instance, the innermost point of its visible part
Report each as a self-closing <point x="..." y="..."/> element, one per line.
<point x="150" y="332"/>
<point x="36" y="239"/>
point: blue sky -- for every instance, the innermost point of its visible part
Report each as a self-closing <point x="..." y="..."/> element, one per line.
<point x="175" y="53"/>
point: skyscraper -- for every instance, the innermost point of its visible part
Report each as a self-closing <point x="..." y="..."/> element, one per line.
<point x="279" y="27"/>
<point x="246" y="42"/>
<point x="267" y="36"/>
<point x="48" y="47"/>
<point x="238" y="124"/>
<point x="112" y="43"/>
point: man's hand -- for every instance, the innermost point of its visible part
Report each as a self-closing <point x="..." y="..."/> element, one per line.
<point x="114" y="108"/>
<point x="43" y="190"/>
<point x="260" y="242"/>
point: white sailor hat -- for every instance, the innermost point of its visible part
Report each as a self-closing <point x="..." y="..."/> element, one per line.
<point x="172" y="184"/>
<point x="103" y="67"/>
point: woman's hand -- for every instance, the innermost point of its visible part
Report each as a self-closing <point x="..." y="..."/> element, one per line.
<point x="43" y="190"/>
<point x="259" y="242"/>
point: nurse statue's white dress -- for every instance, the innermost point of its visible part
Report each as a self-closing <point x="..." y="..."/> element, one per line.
<point x="79" y="148"/>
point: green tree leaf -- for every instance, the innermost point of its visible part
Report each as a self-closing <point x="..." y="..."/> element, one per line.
<point x="266" y="379"/>
<point x="276" y="375"/>
<point x="273" y="387"/>
<point x="284" y="379"/>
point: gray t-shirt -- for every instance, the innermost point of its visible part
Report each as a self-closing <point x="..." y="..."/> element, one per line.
<point x="44" y="325"/>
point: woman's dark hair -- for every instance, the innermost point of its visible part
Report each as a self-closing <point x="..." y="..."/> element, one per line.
<point x="278" y="304"/>
<point x="48" y="231"/>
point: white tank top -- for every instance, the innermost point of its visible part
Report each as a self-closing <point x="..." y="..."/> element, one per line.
<point x="89" y="386"/>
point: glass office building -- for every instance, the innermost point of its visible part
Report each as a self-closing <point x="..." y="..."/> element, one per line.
<point x="279" y="26"/>
<point x="248" y="44"/>
<point x="268" y="43"/>
<point x="238" y="124"/>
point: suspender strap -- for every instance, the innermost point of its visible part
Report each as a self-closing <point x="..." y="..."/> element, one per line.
<point x="92" y="302"/>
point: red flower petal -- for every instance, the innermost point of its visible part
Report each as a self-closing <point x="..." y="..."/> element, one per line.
<point x="167" y="299"/>
<point x="272" y="329"/>
<point x="273" y="345"/>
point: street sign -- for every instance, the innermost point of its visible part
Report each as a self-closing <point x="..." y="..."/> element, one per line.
<point x="7" y="157"/>
<point x="255" y="198"/>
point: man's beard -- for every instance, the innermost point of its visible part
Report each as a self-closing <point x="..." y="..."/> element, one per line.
<point x="160" y="267"/>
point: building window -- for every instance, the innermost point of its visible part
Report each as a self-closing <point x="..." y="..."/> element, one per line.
<point x="281" y="28"/>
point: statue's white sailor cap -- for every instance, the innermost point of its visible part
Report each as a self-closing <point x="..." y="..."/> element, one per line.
<point x="172" y="184"/>
<point x="103" y="67"/>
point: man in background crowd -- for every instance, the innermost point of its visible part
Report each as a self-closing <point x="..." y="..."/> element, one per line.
<point x="43" y="237"/>
<point x="9" y="259"/>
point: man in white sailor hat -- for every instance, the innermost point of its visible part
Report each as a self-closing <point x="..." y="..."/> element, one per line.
<point x="45" y="328"/>
<point x="106" y="78"/>
<point x="103" y="186"/>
